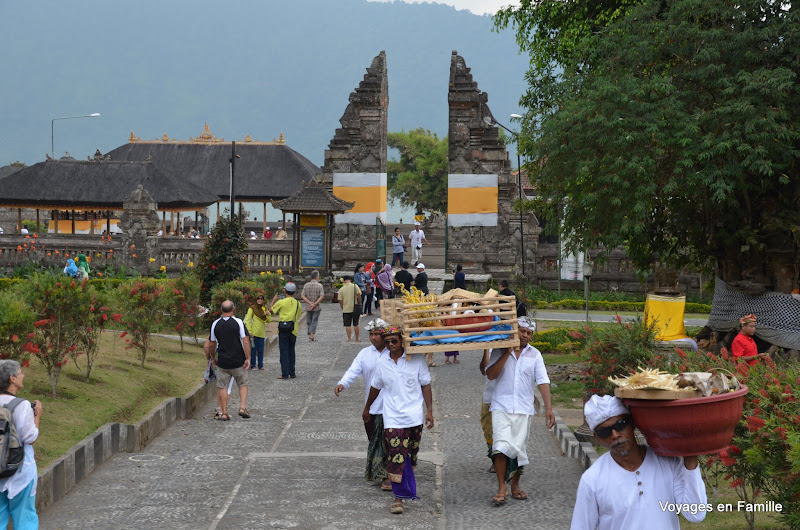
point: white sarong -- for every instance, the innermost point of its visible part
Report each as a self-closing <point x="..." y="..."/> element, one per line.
<point x="510" y="435"/>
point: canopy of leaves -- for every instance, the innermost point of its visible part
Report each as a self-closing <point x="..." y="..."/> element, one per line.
<point x="419" y="178"/>
<point x="671" y="129"/>
<point x="223" y="258"/>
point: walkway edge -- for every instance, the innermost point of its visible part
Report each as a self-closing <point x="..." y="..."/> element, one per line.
<point x="81" y="459"/>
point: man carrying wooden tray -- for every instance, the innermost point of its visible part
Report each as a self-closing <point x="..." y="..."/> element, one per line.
<point x="518" y="371"/>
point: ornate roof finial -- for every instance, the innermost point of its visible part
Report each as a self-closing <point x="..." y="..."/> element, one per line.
<point x="206" y="136"/>
<point x="248" y="138"/>
<point x="132" y="138"/>
<point x="280" y="139"/>
<point x="165" y="138"/>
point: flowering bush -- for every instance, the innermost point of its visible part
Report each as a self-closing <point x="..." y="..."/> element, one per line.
<point x="273" y="283"/>
<point x="181" y="299"/>
<point x="97" y="315"/>
<point x="618" y="350"/>
<point x="142" y="312"/>
<point x="242" y="294"/>
<point x="16" y="327"/>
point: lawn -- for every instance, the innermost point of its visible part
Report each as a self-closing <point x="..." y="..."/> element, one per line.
<point x="120" y="390"/>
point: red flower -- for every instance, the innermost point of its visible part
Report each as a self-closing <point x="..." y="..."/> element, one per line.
<point x="680" y="352"/>
<point x="40" y="323"/>
<point x="738" y="482"/>
<point x="26" y="363"/>
<point x="123" y="334"/>
<point x="754" y="424"/>
<point x="116" y="317"/>
<point x="619" y="319"/>
<point x="14" y="338"/>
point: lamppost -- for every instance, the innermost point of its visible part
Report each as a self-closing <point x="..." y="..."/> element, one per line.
<point x="491" y="121"/>
<point x="52" y="128"/>
<point x="587" y="276"/>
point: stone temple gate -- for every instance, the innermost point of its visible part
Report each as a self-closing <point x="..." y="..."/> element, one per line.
<point x="483" y="232"/>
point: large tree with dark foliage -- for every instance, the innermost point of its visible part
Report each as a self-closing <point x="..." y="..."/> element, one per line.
<point x="419" y="178"/>
<point x="222" y="259"/>
<point x="670" y="127"/>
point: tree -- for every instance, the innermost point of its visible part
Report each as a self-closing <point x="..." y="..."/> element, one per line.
<point x="671" y="130"/>
<point x="222" y="259"/>
<point x="142" y="310"/>
<point x="419" y="178"/>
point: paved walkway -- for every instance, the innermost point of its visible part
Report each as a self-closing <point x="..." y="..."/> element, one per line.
<point x="298" y="463"/>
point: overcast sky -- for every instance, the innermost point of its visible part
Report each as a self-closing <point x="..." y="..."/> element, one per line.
<point x="479" y="7"/>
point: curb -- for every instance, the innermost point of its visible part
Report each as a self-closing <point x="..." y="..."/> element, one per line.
<point x="582" y="451"/>
<point x="58" y="479"/>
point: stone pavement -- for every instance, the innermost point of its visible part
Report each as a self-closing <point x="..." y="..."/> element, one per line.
<point x="299" y="461"/>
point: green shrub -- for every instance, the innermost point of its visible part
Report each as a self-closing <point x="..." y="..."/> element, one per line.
<point x="142" y="311"/>
<point x="241" y="293"/>
<point x="222" y="259"/>
<point x="16" y="327"/>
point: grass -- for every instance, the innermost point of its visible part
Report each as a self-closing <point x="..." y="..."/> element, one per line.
<point x="566" y="394"/>
<point x="733" y="520"/>
<point x="120" y="390"/>
<point x="561" y="358"/>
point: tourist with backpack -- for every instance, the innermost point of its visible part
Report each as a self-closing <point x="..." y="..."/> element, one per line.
<point x="18" y="473"/>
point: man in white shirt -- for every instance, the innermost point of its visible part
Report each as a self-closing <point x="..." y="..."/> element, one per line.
<point x="405" y="383"/>
<point x="518" y="371"/>
<point x="364" y="365"/>
<point x="415" y="239"/>
<point x="628" y="486"/>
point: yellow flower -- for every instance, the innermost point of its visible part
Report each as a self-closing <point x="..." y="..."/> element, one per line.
<point x="279" y="272"/>
<point x="152" y="260"/>
<point x="163" y="268"/>
<point x="191" y="263"/>
<point x="262" y="273"/>
<point x="98" y="254"/>
<point x="180" y="261"/>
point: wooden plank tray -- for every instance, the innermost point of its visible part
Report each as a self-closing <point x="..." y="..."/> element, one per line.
<point x="656" y="394"/>
<point x="414" y="317"/>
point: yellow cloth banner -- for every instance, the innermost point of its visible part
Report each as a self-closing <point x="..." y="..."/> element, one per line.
<point x="472" y="200"/>
<point x="667" y="313"/>
<point x="369" y="199"/>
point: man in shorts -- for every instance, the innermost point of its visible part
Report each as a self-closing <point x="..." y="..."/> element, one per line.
<point x="350" y="302"/>
<point x="230" y="341"/>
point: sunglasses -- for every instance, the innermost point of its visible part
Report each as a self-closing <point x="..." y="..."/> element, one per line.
<point x="619" y="426"/>
<point x="392" y="341"/>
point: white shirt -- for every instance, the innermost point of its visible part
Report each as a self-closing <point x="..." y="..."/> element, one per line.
<point x="488" y="388"/>
<point x="23" y="231"/>
<point x="27" y="432"/>
<point x="401" y="385"/>
<point x="610" y="497"/>
<point x="516" y="384"/>
<point x="364" y="365"/>
<point x="415" y="238"/>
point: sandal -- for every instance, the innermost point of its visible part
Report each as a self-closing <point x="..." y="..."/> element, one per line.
<point x="397" y="507"/>
<point x="243" y="413"/>
<point x="499" y="500"/>
<point x="432" y="365"/>
<point x="222" y="417"/>
<point x="386" y="485"/>
<point x="456" y="361"/>
<point x="519" y="495"/>
<point x="447" y="362"/>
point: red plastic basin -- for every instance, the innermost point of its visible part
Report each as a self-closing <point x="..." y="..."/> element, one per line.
<point x="485" y="320"/>
<point x="688" y="427"/>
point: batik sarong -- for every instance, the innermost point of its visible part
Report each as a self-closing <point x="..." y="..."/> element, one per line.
<point x="402" y="449"/>
<point x="486" y="425"/>
<point x="376" y="452"/>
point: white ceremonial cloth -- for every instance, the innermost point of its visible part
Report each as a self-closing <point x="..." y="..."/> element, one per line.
<point x="401" y="385"/>
<point x="364" y="365"/>
<point x="516" y="384"/>
<point x="510" y="435"/>
<point x="610" y="497"/>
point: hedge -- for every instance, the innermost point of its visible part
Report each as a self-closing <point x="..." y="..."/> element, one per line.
<point x="604" y="305"/>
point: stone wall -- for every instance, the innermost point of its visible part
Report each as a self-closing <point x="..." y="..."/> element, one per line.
<point x="359" y="146"/>
<point x="476" y="148"/>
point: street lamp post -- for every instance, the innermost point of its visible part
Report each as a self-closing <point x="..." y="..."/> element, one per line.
<point x="491" y="121"/>
<point x="52" y="128"/>
<point x="587" y="276"/>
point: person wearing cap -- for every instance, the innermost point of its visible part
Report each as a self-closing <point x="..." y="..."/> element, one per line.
<point x="404" y="382"/>
<point x="744" y="346"/>
<point x="364" y="366"/>
<point x="518" y="371"/>
<point x="628" y="486"/>
<point x="421" y="279"/>
<point x="280" y="235"/>
<point x="267" y="233"/>
<point x="350" y="303"/>
<point x="253" y="235"/>
<point x="415" y="239"/>
<point x="288" y="310"/>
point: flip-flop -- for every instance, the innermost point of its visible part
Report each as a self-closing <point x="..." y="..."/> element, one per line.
<point x="243" y="413"/>
<point x="499" y="500"/>
<point x="222" y="417"/>
<point x="519" y="495"/>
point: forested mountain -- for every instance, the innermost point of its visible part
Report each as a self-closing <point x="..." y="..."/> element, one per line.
<point x="243" y="66"/>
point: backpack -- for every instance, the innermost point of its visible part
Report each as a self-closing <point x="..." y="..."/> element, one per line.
<point x="12" y="451"/>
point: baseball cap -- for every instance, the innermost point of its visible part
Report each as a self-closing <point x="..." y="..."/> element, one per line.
<point x="421" y="266"/>
<point x="290" y="287"/>
<point x="416" y="223"/>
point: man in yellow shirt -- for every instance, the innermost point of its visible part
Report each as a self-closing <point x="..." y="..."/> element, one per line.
<point x="288" y="310"/>
<point x="350" y="302"/>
